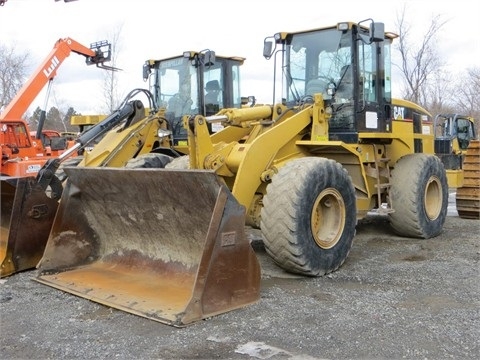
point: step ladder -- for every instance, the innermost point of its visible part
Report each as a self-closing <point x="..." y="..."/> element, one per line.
<point x="382" y="169"/>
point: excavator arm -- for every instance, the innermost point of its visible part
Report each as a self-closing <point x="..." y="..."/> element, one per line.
<point x="98" y="54"/>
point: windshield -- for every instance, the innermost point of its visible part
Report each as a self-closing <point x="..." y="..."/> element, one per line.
<point x="176" y="86"/>
<point x="14" y="135"/>
<point x="317" y="60"/>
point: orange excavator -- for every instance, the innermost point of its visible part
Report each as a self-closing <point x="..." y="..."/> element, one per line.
<point x="23" y="155"/>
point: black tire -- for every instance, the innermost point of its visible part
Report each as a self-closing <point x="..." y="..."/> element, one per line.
<point x="150" y="160"/>
<point x="180" y="163"/>
<point x="309" y="216"/>
<point x="73" y="161"/>
<point x="419" y="196"/>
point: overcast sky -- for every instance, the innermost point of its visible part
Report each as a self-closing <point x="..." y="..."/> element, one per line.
<point x="158" y="29"/>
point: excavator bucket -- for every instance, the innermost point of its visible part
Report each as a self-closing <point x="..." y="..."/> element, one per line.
<point x="165" y="244"/>
<point x="27" y="215"/>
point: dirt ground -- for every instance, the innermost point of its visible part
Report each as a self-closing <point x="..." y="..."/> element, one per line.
<point x="394" y="298"/>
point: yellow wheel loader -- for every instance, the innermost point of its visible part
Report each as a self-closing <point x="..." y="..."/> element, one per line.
<point x="334" y="147"/>
<point x="131" y="136"/>
<point x="457" y="144"/>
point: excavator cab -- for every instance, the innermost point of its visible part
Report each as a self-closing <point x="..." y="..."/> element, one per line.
<point x="176" y="87"/>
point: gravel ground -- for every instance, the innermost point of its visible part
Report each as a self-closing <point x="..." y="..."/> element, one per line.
<point x="394" y="298"/>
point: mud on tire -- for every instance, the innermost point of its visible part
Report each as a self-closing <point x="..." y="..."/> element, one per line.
<point x="419" y="196"/>
<point x="309" y="216"/>
<point x="180" y="163"/>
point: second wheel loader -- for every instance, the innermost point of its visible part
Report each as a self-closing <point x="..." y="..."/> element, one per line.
<point x="334" y="147"/>
<point x="132" y="136"/>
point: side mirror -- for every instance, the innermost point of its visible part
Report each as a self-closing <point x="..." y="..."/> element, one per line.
<point x="377" y="32"/>
<point x="146" y="71"/>
<point x="209" y="58"/>
<point x="268" y="48"/>
<point x="248" y="100"/>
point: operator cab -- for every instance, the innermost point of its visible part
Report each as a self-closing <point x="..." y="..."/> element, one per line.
<point x="184" y="85"/>
<point x="349" y="64"/>
<point x="453" y="133"/>
<point x="449" y="127"/>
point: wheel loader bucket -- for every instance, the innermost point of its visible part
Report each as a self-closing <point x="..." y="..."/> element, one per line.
<point x="165" y="244"/>
<point x="27" y="215"/>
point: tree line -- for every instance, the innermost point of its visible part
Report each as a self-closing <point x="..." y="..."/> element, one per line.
<point x="55" y="119"/>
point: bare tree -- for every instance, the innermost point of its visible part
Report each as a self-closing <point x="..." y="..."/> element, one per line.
<point x="425" y="79"/>
<point x="467" y="94"/>
<point x="421" y="64"/>
<point x="110" y="77"/>
<point x="13" y="66"/>
<point x="439" y="93"/>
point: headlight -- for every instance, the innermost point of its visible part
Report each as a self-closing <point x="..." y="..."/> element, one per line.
<point x="163" y="133"/>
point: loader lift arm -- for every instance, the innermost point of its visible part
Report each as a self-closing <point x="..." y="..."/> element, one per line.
<point x="131" y="110"/>
<point x="30" y="211"/>
<point x="98" y="54"/>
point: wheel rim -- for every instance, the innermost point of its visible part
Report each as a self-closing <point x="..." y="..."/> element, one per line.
<point x="433" y="198"/>
<point x="328" y="218"/>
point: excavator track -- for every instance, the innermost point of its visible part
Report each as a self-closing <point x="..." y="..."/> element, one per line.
<point x="468" y="196"/>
